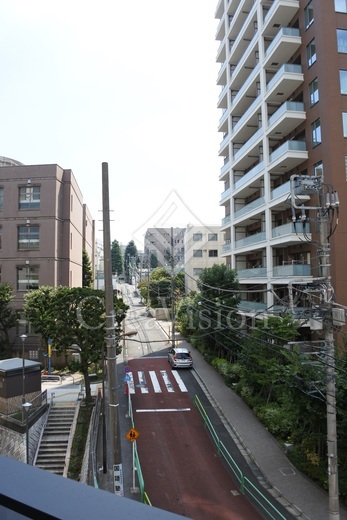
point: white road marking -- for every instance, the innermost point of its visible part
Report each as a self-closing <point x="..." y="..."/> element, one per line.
<point x="164" y="410"/>
<point x="179" y="381"/>
<point x="155" y="382"/>
<point x="131" y="385"/>
<point x="143" y="383"/>
<point x="167" y="381"/>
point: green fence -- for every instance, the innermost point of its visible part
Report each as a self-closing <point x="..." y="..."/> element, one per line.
<point x="246" y="486"/>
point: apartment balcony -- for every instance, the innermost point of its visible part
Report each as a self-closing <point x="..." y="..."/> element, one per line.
<point x="252" y="240"/>
<point x="221" y="52"/>
<point x="223" y="147"/>
<point x="226" y="248"/>
<point x="246" y="68"/>
<point x="241" y="40"/>
<point x="287" y="156"/>
<point x="282" y="48"/>
<point x="251" y="175"/>
<point x="224" y="171"/>
<point x="223" y="98"/>
<point x="289" y="270"/>
<point x="226" y="220"/>
<point x="255" y="272"/>
<point x="250" y="306"/>
<point x="279" y="15"/>
<point x="282" y="194"/>
<point x="290" y="233"/>
<point x="241" y="16"/>
<point x="245" y="84"/>
<point x="249" y="152"/>
<point x="244" y="128"/>
<point x="284" y="82"/>
<point x="220" y="32"/>
<point x="288" y="117"/>
<point x="219" y="10"/>
<point x="222" y="74"/>
<point x="251" y="207"/>
<point x="223" y="122"/>
<point x="225" y="195"/>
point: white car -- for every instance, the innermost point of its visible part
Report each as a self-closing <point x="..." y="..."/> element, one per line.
<point x="180" y="357"/>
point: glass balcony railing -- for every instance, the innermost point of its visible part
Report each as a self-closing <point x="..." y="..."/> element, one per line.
<point x="287" y="106"/>
<point x="288" y="146"/>
<point x="282" y="271"/>
<point x="285" y="31"/>
<point x="225" y="194"/>
<point x="249" y="143"/>
<point x="249" y="175"/>
<point x="294" y="69"/>
<point x="226" y="220"/>
<point x="290" y="228"/>
<point x="249" y="207"/>
<point x="226" y="248"/>
<point x="252" y="239"/>
<point x="256" y="272"/>
<point x="280" y="190"/>
<point x="246" y="114"/>
<point x="225" y="167"/>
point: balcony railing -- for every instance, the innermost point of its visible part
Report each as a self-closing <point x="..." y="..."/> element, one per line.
<point x="252" y="239"/>
<point x="290" y="228"/>
<point x="225" y="194"/>
<point x="249" y="207"/>
<point x="256" y="272"/>
<point x="282" y="271"/>
<point x="288" y="146"/>
<point x="287" y="67"/>
<point x="285" y="31"/>
<point x="249" y="175"/>
<point x="293" y="106"/>
<point x="226" y="247"/>
<point x="226" y="220"/>
<point x="248" y="143"/>
<point x="280" y="190"/>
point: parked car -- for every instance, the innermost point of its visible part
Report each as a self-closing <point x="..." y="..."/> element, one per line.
<point x="180" y="357"/>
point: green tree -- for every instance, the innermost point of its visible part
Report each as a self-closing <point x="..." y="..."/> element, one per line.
<point x="87" y="271"/>
<point x="73" y="316"/>
<point x="130" y="261"/>
<point x="8" y="319"/>
<point x="153" y="260"/>
<point x="117" y="258"/>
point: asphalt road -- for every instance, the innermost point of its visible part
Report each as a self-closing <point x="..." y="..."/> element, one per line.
<point x="181" y="469"/>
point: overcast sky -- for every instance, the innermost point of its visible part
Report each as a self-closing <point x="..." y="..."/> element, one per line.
<point x="130" y="83"/>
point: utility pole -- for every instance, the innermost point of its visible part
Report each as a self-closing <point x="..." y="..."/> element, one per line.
<point x="327" y="203"/>
<point x="172" y="290"/>
<point x="109" y="327"/>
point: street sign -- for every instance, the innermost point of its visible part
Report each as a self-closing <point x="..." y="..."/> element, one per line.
<point x="132" y="435"/>
<point x="127" y="377"/>
<point x="127" y="369"/>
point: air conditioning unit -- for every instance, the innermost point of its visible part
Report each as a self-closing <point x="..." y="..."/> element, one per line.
<point x="339" y="317"/>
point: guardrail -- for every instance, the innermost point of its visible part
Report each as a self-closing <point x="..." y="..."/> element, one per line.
<point x="247" y="487"/>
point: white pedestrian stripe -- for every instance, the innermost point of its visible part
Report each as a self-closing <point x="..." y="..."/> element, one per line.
<point x="142" y="381"/>
<point x="157" y="382"/>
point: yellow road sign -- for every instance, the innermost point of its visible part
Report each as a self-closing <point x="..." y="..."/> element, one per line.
<point x="132" y="435"/>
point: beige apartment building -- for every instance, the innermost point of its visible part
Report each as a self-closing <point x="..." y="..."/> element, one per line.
<point x="44" y="225"/>
<point x="283" y="101"/>
<point x="202" y="249"/>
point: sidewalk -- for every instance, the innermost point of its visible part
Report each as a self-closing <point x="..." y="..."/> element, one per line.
<point x="287" y="483"/>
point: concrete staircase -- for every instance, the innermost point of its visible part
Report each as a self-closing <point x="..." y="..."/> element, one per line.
<point x="53" y="453"/>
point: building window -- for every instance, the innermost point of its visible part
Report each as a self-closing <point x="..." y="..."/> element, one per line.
<point x="1" y="197"/>
<point x="197" y="253"/>
<point x="316" y="133"/>
<point x="344" y="123"/>
<point x="343" y="81"/>
<point x="197" y="271"/>
<point x="27" y="278"/>
<point x="318" y="169"/>
<point x="212" y="237"/>
<point x="341" y="40"/>
<point x="313" y="90"/>
<point x="29" y="197"/>
<point x="341" y="6"/>
<point x="311" y="53"/>
<point x="308" y="15"/>
<point x="197" y="237"/>
<point x="213" y="253"/>
<point x="28" y="237"/>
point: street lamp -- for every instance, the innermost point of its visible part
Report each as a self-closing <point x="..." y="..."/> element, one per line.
<point x="23" y="338"/>
<point x="26" y="408"/>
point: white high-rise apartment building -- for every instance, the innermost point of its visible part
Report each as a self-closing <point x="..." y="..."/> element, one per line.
<point x="283" y="76"/>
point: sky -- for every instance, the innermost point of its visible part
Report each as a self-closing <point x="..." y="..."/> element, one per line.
<point x="129" y="83"/>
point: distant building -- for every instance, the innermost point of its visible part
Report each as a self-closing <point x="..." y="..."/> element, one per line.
<point x="202" y="249"/>
<point x="162" y="244"/>
<point x="44" y="225"/>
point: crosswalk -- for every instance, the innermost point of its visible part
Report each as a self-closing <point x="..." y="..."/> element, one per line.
<point x="155" y="382"/>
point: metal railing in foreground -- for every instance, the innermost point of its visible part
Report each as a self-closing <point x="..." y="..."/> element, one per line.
<point x="247" y="487"/>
